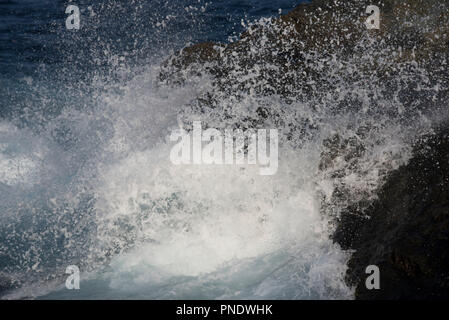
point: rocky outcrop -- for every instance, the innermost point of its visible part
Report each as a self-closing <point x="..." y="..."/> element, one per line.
<point x="320" y="47"/>
<point x="405" y="232"/>
<point x="412" y="30"/>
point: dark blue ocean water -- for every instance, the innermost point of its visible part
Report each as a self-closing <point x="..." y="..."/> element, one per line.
<point x="35" y="44"/>
<point x="33" y="32"/>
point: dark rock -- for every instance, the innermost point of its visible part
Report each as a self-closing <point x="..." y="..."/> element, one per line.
<point x="318" y="48"/>
<point x="405" y="232"/>
<point x="419" y="28"/>
<point x="198" y="53"/>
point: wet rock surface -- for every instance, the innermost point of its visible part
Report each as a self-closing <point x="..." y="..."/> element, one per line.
<point x="311" y="53"/>
<point x="405" y="232"/>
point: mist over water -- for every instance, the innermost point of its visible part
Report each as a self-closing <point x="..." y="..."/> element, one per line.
<point x="86" y="177"/>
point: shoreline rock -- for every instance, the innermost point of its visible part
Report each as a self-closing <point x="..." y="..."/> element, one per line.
<point x="405" y="232"/>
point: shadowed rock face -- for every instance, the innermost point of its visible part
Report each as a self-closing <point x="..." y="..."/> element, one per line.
<point x="307" y="56"/>
<point x="406" y="231"/>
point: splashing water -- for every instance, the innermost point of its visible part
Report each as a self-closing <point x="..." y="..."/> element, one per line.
<point x="86" y="177"/>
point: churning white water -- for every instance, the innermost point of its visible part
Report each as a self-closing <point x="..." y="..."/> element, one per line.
<point x="186" y="231"/>
<point x="206" y="231"/>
